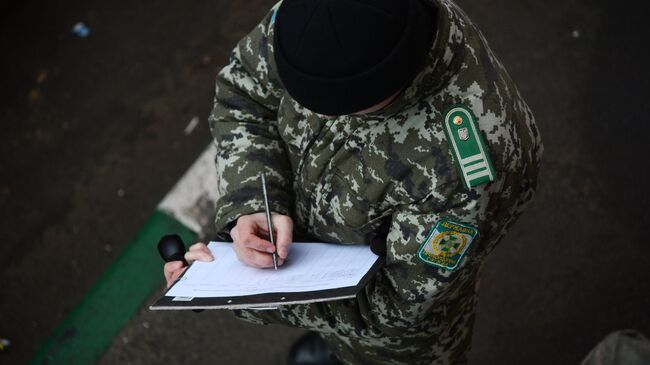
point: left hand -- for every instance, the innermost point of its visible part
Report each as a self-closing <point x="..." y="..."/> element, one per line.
<point x="174" y="269"/>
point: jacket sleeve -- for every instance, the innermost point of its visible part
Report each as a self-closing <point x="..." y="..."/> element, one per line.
<point x="406" y="290"/>
<point x="243" y="123"/>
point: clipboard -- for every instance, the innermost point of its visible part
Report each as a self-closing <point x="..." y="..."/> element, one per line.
<point x="270" y="300"/>
<point x="266" y="300"/>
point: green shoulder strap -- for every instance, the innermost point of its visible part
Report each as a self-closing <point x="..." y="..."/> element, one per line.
<point x="471" y="155"/>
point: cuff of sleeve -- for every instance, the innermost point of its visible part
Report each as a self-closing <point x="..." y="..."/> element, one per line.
<point x="229" y="211"/>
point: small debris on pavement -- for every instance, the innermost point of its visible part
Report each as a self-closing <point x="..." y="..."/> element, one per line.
<point x="206" y="60"/>
<point x="575" y="33"/>
<point x="81" y="30"/>
<point x="4" y="344"/>
<point x="41" y="77"/>
<point x="34" y="95"/>
<point x="191" y="125"/>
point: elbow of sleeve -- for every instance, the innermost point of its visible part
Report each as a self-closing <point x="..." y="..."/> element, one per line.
<point x="228" y="211"/>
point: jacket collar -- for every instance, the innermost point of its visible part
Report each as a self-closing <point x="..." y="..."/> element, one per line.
<point x="442" y="62"/>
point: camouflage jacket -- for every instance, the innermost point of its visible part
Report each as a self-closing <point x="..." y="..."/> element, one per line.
<point x="387" y="176"/>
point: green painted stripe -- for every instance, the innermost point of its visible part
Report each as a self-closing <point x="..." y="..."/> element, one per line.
<point x="89" y="329"/>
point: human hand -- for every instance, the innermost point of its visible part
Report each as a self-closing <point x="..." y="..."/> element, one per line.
<point x="250" y="239"/>
<point x="174" y="269"/>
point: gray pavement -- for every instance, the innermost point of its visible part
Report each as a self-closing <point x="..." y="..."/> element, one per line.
<point x="209" y="337"/>
<point x="110" y="115"/>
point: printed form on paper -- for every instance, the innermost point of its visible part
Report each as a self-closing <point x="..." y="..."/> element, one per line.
<point x="309" y="267"/>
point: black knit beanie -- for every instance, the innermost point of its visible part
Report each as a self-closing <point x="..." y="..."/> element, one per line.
<point x="338" y="57"/>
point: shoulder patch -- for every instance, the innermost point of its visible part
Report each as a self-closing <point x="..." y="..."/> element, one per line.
<point x="470" y="154"/>
<point x="447" y="243"/>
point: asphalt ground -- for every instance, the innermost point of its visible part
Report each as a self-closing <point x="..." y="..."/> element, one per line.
<point x="93" y="138"/>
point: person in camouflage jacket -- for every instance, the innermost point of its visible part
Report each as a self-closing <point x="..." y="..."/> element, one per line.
<point x="385" y="177"/>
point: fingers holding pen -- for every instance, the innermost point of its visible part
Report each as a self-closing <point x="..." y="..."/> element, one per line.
<point x="249" y="232"/>
<point x="251" y="243"/>
<point x="257" y="259"/>
<point x="283" y="234"/>
<point x="252" y="250"/>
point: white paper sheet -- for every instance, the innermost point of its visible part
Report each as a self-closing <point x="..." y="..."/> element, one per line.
<point x="310" y="266"/>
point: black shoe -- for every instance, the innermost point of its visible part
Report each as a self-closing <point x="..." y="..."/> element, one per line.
<point x="311" y="349"/>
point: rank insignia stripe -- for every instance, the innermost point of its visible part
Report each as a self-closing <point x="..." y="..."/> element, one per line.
<point x="446" y="244"/>
<point x="471" y="155"/>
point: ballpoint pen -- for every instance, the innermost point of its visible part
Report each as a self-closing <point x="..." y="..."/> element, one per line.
<point x="269" y="224"/>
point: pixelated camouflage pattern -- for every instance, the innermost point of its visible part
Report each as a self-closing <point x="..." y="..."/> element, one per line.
<point x="356" y="178"/>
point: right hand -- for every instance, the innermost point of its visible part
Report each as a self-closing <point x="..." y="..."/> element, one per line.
<point x="174" y="269"/>
<point x="250" y="239"/>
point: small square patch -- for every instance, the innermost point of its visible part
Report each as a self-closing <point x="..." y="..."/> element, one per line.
<point x="447" y="243"/>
